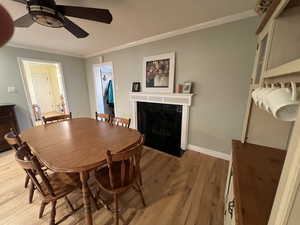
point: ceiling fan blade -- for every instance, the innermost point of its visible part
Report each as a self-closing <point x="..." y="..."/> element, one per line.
<point x="99" y="15"/>
<point x="73" y="28"/>
<point x="21" y="1"/>
<point x="24" y="21"/>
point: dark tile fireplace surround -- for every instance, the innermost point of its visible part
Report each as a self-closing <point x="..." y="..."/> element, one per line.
<point x="161" y="124"/>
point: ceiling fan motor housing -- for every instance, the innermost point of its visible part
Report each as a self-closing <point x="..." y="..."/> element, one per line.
<point x="44" y="12"/>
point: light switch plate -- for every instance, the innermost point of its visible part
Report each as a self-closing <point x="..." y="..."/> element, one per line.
<point x="11" y="89"/>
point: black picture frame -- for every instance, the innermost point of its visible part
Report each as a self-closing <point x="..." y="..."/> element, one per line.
<point x="136" y="87"/>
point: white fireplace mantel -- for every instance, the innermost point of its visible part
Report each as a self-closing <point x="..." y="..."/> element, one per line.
<point x="164" y="98"/>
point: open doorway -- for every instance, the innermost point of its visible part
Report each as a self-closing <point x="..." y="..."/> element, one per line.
<point x="44" y="87"/>
<point x="104" y="88"/>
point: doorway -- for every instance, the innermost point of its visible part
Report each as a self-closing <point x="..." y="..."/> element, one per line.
<point x="104" y="88"/>
<point x="44" y="87"/>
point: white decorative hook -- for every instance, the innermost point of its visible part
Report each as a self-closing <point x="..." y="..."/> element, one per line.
<point x="294" y="91"/>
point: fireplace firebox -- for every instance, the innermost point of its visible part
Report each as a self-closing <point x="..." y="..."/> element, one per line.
<point x="161" y="124"/>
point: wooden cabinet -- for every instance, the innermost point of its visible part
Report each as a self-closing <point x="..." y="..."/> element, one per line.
<point x="7" y="120"/>
<point x="252" y="182"/>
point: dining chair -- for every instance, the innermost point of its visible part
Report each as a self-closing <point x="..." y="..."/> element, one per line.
<point x="51" y="187"/>
<point x="54" y="119"/>
<point x="122" y="122"/>
<point x="15" y="142"/>
<point x="102" y="117"/>
<point x="120" y="173"/>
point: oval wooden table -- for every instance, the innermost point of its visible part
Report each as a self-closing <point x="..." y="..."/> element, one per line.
<point x="78" y="145"/>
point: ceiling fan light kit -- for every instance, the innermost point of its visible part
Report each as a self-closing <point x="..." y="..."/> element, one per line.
<point x="47" y="13"/>
<point x="45" y="16"/>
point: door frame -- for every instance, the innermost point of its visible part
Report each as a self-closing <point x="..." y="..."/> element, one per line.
<point x="21" y="61"/>
<point x="95" y="80"/>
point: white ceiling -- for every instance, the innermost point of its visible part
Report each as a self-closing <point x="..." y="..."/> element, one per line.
<point x="132" y="20"/>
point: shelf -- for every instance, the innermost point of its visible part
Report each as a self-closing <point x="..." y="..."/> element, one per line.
<point x="161" y="94"/>
<point x="167" y="98"/>
<point x="283" y="70"/>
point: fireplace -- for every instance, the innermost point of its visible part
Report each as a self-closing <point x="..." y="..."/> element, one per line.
<point x="168" y="101"/>
<point x="161" y="125"/>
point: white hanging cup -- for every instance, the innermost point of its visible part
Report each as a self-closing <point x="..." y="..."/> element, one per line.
<point x="265" y="103"/>
<point x="283" y="102"/>
<point x="261" y="95"/>
<point x="255" y="93"/>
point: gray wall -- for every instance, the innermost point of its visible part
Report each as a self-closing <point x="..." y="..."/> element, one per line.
<point x="218" y="60"/>
<point x="74" y="75"/>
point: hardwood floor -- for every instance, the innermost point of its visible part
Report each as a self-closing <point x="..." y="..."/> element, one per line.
<point x="178" y="191"/>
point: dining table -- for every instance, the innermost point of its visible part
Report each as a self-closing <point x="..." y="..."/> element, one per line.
<point x="78" y="145"/>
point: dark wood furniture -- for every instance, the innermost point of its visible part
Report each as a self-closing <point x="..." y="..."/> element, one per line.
<point x="56" y="118"/>
<point x="52" y="187"/>
<point x="102" y="117"/>
<point x="120" y="173"/>
<point x="256" y="172"/>
<point x="118" y="121"/>
<point x="78" y="145"/>
<point x="8" y="120"/>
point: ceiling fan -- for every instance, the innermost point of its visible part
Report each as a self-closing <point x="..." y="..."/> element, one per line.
<point x="48" y="13"/>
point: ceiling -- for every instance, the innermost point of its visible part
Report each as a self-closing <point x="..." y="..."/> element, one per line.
<point x="132" y="20"/>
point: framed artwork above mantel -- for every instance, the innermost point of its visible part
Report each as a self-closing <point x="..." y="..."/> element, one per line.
<point x="158" y="73"/>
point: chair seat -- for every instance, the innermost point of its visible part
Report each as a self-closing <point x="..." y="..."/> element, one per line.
<point x="102" y="176"/>
<point x="62" y="184"/>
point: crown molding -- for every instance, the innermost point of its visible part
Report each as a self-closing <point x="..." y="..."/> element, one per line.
<point x="200" y="26"/>
<point x="51" y="51"/>
<point x="196" y="27"/>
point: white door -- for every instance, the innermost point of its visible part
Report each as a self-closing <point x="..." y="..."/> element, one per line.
<point x="43" y="92"/>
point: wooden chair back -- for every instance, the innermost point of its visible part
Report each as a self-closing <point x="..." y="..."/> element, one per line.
<point x="54" y="119"/>
<point x="102" y="117"/>
<point x="118" y="121"/>
<point x="33" y="168"/>
<point x="13" y="139"/>
<point x="129" y="169"/>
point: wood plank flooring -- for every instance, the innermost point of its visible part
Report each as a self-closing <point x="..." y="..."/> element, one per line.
<point x="178" y="191"/>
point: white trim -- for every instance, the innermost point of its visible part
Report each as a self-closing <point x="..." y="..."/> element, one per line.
<point x="21" y="61"/>
<point x="289" y="181"/>
<point x="200" y="26"/>
<point x="45" y="50"/>
<point x="170" y="88"/>
<point x="145" y="96"/>
<point x="209" y="152"/>
<point x="113" y="83"/>
<point x="98" y="93"/>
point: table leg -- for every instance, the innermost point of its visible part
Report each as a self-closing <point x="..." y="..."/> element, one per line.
<point x="86" y="198"/>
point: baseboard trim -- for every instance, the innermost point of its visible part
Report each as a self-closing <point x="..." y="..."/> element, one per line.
<point x="209" y="152"/>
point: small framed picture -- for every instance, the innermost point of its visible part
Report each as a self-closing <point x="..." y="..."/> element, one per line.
<point x="187" y="87"/>
<point x="136" y="87"/>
